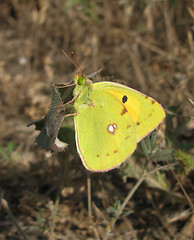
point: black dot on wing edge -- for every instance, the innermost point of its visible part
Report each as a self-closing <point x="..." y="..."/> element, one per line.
<point x="124" y="99"/>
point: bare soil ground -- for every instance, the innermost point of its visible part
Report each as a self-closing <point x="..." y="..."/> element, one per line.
<point x="147" y="45"/>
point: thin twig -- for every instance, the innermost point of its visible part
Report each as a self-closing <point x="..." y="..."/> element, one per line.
<point x="182" y="188"/>
<point x="129" y="196"/>
<point x="89" y="196"/>
<point x="15" y="221"/>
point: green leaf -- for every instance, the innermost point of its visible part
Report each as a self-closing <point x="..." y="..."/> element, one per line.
<point x="185" y="159"/>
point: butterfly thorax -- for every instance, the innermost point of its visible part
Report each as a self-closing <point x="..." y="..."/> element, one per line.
<point x="82" y="90"/>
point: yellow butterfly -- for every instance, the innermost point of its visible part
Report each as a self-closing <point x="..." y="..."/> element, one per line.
<point x="110" y="119"/>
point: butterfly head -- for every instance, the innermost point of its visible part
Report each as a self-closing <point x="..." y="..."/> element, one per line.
<point x="81" y="80"/>
<point x="83" y="85"/>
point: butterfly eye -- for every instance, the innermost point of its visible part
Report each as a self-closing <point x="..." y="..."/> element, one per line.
<point x="124" y="99"/>
<point x="81" y="80"/>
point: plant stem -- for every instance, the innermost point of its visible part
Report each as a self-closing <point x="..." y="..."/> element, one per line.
<point x="6" y="207"/>
<point x="129" y="196"/>
<point x="89" y="196"/>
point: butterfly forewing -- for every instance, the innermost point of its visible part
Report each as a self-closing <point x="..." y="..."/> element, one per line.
<point x="145" y="112"/>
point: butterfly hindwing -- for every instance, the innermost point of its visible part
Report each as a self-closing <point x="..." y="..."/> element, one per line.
<point x="105" y="133"/>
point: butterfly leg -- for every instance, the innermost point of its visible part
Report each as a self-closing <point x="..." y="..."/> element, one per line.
<point x="62" y="85"/>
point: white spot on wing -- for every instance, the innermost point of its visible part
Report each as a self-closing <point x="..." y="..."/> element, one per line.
<point x="112" y="128"/>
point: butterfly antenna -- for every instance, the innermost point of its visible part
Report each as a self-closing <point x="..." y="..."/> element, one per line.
<point x="77" y="63"/>
<point x="74" y="63"/>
